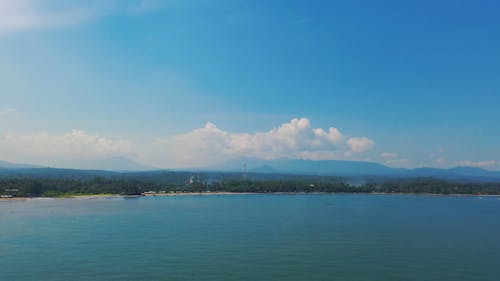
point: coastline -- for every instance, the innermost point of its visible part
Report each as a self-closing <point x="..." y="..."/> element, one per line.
<point x="111" y="196"/>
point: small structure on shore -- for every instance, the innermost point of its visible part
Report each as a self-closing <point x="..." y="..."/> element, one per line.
<point x="9" y="193"/>
<point x="149" y="193"/>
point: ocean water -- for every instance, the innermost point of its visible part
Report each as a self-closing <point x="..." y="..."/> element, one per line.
<point x="252" y="237"/>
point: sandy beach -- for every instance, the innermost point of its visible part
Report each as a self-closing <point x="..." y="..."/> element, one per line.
<point x="111" y="196"/>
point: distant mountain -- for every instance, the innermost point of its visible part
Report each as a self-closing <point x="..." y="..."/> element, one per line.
<point x="352" y="169"/>
<point x="263" y="169"/>
<point x="457" y="173"/>
<point x="120" y="164"/>
<point x="109" y="164"/>
<point x="9" y="165"/>
<point x="298" y="166"/>
<point x="260" y="168"/>
<point x="56" y="173"/>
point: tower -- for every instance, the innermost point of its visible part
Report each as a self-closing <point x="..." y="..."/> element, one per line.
<point x="244" y="171"/>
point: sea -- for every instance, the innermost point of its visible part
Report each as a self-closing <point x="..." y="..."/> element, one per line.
<point x="254" y="237"/>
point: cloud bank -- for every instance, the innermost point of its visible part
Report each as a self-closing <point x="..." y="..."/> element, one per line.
<point x="201" y="147"/>
<point x="197" y="148"/>
<point x="295" y="139"/>
<point x="23" y="15"/>
<point x="49" y="149"/>
<point x="478" y="164"/>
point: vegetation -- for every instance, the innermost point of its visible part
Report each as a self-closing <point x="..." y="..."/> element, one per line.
<point x="23" y="186"/>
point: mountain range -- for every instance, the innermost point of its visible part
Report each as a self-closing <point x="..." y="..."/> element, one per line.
<point x="9" y="165"/>
<point x="350" y="169"/>
<point x="117" y="164"/>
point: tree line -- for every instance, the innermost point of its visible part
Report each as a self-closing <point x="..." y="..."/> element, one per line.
<point x="54" y="187"/>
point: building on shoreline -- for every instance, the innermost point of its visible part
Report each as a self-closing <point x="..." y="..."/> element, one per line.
<point x="9" y="193"/>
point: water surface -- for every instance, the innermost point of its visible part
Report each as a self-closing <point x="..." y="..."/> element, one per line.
<point x="252" y="237"/>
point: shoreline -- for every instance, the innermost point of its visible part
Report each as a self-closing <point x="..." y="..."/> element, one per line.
<point x="111" y="196"/>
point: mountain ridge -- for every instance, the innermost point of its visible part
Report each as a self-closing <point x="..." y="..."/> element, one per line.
<point x="116" y="164"/>
<point x="343" y="168"/>
<point x="352" y="168"/>
<point x="10" y="165"/>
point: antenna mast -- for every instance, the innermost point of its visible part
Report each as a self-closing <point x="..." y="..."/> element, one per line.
<point x="244" y="171"/>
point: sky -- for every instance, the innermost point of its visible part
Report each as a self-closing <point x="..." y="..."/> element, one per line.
<point x="187" y="83"/>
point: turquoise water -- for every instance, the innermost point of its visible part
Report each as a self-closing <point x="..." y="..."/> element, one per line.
<point x="252" y="237"/>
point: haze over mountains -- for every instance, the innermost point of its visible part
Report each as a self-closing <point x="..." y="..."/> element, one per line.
<point x="110" y="164"/>
<point x="351" y="169"/>
<point x="9" y="165"/>
<point x="118" y="164"/>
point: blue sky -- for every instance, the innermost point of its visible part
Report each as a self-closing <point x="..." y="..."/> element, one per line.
<point x="406" y="83"/>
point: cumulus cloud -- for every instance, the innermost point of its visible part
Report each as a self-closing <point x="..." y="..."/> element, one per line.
<point x="197" y="148"/>
<point x="21" y="15"/>
<point x="478" y="164"/>
<point x="75" y="144"/>
<point x="295" y="139"/>
<point x="360" y="144"/>
<point x="394" y="160"/>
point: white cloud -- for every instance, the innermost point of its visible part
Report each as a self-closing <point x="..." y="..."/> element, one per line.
<point x="295" y="139"/>
<point x="75" y="144"/>
<point x="389" y="155"/>
<point x="397" y="162"/>
<point x="22" y="15"/>
<point x="479" y="164"/>
<point x="441" y="161"/>
<point x="394" y="160"/>
<point x="360" y="144"/>
<point x="200" y="147"/>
